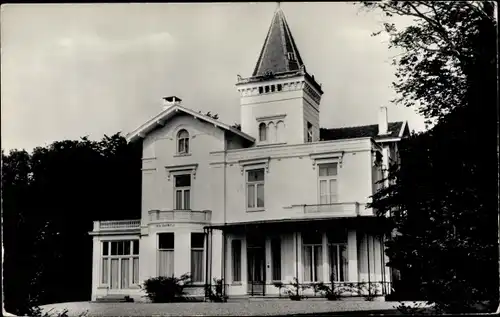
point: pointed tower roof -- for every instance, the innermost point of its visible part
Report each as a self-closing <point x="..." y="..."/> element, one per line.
<point x="279" y="53"/>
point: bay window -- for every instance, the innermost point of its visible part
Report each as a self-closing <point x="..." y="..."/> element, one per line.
<point x="197" y="248"/>
<point x="120" y="263"/>
<point x="166" y="254"/>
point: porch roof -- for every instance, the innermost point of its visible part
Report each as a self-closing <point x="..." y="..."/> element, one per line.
<point x="293" y="223"/>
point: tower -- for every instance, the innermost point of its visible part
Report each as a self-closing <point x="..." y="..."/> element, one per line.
<point x="280" y="102"/>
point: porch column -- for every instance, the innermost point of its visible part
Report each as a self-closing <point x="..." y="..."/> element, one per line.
<point x="326" y="278"/>
<point x="267" y="250"/>
<point x="352" y="256"/>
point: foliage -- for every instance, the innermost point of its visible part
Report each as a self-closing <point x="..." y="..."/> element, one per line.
<point x="279" y="286"/>
<point x="330" y="292"/>
<point x="50" y="199"/>
<point x="413" y="310"/>
<point x="166" y="289"/>
<point x="438" y="50"/>
<point x="237" y="126"/>
<point x="443" y="197"/>
<point x="218" y="295"/>
<point x="209" y="114"/>
<point x="293" y="291"/>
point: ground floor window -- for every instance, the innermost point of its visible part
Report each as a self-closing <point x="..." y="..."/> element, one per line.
<point x="236" y="260"/>
<point x="120" y="263"/>
<point x="276" y="258"/>
<point x="166" y="254"/>
<point x="197" y="247"/>
<point x="337" y="255"/>
<point x="312" y="256"/>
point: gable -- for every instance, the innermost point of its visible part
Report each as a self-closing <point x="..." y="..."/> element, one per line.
<point x="167" y="114"/>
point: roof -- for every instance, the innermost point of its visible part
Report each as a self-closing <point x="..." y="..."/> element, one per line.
<point x="160" y="119"/>
<point x="277" y="46"/>
<point x="395" y="130"/>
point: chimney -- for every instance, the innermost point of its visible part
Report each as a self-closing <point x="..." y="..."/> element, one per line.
<point x="171" y="101"/>
<point x="382" y="120"/>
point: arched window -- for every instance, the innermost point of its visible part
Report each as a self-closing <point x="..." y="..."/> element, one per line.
<point x="262" y="132"/>
<point x="271" y="131"/>
<point x="183" y="142"/>
<point x="280" y="132"/>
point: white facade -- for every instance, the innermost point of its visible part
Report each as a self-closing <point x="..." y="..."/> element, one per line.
<point x="270" y="202"/>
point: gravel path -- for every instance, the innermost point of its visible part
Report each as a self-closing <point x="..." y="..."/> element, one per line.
<point x="243" y="308"/>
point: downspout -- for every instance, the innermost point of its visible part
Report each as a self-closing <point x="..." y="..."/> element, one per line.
<point x="224" y="244"/>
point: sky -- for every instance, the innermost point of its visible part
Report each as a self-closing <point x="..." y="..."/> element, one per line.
<point x="74" y="70"/>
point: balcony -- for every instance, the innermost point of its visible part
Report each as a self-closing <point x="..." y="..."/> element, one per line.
<point x="198" y="216"/>
<point x="346" y="209"/>
<point x="117" y="225"/>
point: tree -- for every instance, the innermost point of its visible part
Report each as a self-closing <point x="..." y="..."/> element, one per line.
<point x="443" y="195"/>
<point x="50" y="198"/>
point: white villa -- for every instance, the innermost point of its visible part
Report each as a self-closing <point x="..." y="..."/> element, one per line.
<point x="278" y="199"/>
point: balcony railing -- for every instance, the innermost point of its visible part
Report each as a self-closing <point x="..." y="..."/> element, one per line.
<point x="180" y="215"/>
<point x="117" y="224"/>
<point x="350" y="208"/>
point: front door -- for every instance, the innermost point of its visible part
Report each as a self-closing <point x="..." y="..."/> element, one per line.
<point x="256" y="270"/>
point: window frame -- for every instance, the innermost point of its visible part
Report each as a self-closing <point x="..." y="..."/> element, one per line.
<point x="183" y="190"/>
<point x="131" y="256"/>
<point x="327" y="179"/>
<point x="202" y="249"/>
<point x="186" y="141"/>
<point x="158" y="249"/>
<point x="316" y="277"/>
<point x="255" y="185"/>
<point x="262" y="132"/>
<point x="310" y="136"/>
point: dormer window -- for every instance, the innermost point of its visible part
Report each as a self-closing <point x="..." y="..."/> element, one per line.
<point x="291" y="56"/>
<point x="262" y="132"/>
<point x="182" y="142"/>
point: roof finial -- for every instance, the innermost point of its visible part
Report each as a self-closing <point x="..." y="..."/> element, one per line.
<point x="278" y="5"/>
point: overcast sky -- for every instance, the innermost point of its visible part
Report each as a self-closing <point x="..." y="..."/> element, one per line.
<point x="94" y="69"/>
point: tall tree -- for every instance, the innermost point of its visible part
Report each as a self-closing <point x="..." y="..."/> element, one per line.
<point x="444" y="202"/>
<point x="51" y="197"/>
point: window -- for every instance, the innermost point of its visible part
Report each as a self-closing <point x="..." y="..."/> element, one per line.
<point x="197" y="247"/>
<point x="276" y="258"/>
<point x="262" y="132"/>
<point x="312" y="256"/>
<point x="183" y="142"/>
<point x="255" y="188"/>
<point x="236" y="260"/>
<point x="337" y="255"/>
<point x="273" y="87"/>
<point x="291" y="56"/>
<point x="166" y="254"/>
<point x="266" y="89"/>
<point x="328" y="183"/>
<point x="309" y="132"/>
<point x="182" y="192"/>
<point x="120" y="263"/>
<point x="261" y="90"/>
<point x="280" y="87"/>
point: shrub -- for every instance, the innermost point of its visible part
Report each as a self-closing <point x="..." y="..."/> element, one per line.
<point x="330" y="292"/>
<point x="279" y="286"/>
<point x="217" y="295"/>
<point x="294" y="290"/>
<point x="163" y="289"/>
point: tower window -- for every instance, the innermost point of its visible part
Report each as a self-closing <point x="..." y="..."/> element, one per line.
<point x="273" y="87"/>
<point x="267" y="89"/>
<point x="261" y="90"/>
<point x="280" y="87"/>
<point x="291" y="56"/>
<point x="262" y="132"/>
<point x="309" y="132"/>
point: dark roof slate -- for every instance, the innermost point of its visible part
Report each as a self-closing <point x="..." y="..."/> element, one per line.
<point x="364" y="131"/>
<point x="274" y="54"/>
